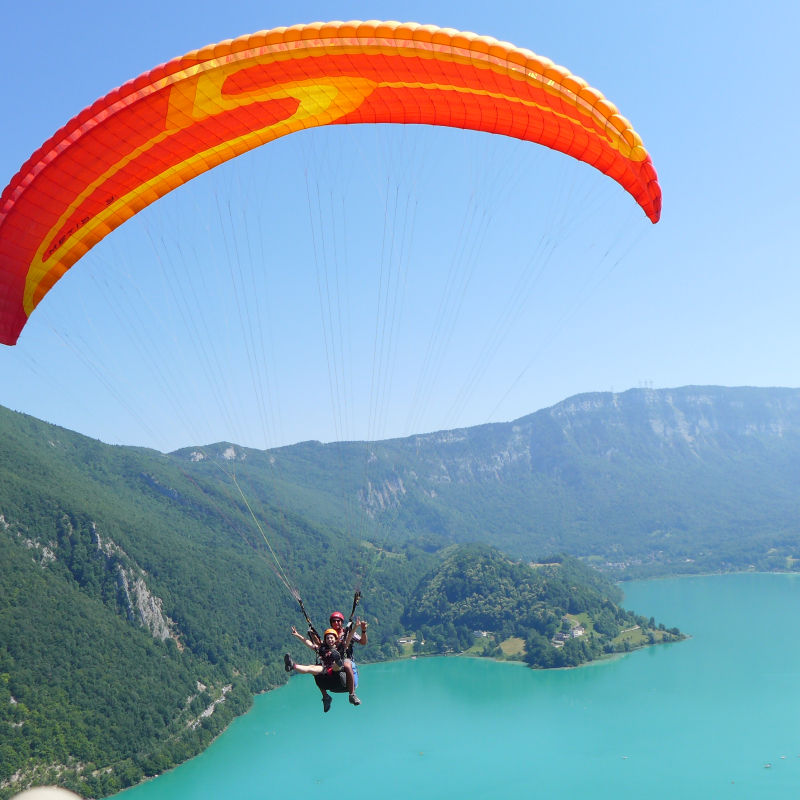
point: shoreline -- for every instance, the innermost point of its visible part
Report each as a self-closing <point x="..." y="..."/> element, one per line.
<point x="604" y="659"/>
<point x="715" y="573"/>
<point x="148" y="778"/>
<point x="621" y="583"/>
<point x="546" y="707"/>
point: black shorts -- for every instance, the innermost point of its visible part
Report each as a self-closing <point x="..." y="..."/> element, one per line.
<point x="336" y="683"/>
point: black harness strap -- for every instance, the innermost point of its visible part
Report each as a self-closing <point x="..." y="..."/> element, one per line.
<point x="315" y="638"/>
<point x="356" y="600"/>
<point x="347" y="628"/>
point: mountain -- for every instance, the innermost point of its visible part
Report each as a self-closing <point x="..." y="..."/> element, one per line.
<point x="644" y="482"/>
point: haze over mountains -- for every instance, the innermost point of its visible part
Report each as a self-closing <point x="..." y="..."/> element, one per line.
<point x="646" y="481"/>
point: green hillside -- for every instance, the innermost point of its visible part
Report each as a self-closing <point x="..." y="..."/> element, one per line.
<point x="140" y="610"/>
<point x="476" y="589"/>
<point x="133" y="597"/>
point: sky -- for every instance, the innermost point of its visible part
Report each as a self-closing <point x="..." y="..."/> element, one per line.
<point x="708" y="296"/>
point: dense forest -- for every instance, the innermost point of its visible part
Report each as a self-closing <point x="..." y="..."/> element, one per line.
<point x="138" y="612"/>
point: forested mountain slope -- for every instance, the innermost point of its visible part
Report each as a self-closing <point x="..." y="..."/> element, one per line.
<point x="563" y="611"/>
<point x="138" y="611"/>
<point x="680" y="480"/>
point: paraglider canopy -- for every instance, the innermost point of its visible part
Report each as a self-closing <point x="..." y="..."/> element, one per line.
<point x="187" y="116"/>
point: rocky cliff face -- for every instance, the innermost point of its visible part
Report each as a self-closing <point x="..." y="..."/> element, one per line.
<point x="609" y="426"/>
<point x="636" y="474"/>
<point x="142" y="607"/>
<point x="377" y="498"/>
<point x="667" y="474"/>
<point x="690" y="414"/>
<point x="41" y="554"/>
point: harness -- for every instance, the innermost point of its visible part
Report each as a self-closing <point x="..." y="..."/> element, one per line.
<point x="313" y="636"/>
<point x="335" y="683"/>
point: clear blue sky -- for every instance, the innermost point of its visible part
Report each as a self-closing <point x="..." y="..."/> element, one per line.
<point x="709" y="296"/>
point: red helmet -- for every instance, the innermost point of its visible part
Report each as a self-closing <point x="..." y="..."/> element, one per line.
<point x="337" y="615"/>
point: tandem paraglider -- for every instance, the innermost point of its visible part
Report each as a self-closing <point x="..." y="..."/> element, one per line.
<point x="191" y="114"/>
<point x="335" y="669"/>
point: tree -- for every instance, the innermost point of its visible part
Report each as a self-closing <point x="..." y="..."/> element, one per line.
<point x="538" y="651"/>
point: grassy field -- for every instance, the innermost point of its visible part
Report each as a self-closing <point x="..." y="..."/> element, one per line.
<point x="406" y="649"/>
<point x="583" y="619"/>
<point x="636" y="637"/>
<point x="513" y="646"/>
<point x="476" y="649"/>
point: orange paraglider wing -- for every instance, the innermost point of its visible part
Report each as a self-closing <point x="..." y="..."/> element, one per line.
<point x="185" y="117"/>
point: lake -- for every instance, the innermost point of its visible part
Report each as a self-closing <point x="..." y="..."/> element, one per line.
<point x="695" y="719"/>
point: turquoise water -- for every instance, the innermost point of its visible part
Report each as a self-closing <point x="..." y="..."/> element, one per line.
<point x="696" y="719"/>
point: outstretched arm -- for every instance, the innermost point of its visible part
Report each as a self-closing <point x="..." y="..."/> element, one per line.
<point x="302" y="638"/>
<point x="348" y="639"/>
